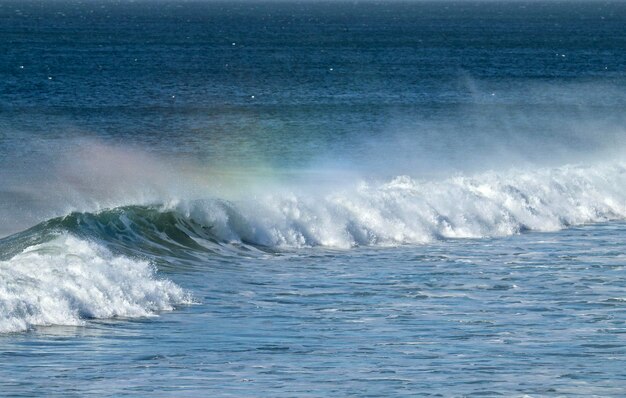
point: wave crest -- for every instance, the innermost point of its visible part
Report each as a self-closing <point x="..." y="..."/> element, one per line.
<point x="410" y="211"/>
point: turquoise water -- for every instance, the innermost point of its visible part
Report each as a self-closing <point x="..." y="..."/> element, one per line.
<point x="312" y="199"/>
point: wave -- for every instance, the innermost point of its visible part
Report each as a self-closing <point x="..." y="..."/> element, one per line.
<point x="68" y="280"/>
<point x="402" y="210"/>
<point x="100" y="265"/>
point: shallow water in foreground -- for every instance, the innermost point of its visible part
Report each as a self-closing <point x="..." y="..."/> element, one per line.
<point x="537" y="314"/>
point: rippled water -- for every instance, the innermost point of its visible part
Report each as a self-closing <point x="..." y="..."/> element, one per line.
<point x="537" y="314"/>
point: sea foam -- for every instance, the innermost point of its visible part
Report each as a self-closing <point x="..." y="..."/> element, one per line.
<point x="405" y="210"/>
<point x="68" y="280"/>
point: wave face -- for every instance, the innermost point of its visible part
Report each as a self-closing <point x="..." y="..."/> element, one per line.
<point x="67" y="280"/>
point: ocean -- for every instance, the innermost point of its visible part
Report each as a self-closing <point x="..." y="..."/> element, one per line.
<point x="312" y="198"/>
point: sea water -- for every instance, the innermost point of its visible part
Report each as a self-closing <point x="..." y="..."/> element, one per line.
<point x="312" y="198"/>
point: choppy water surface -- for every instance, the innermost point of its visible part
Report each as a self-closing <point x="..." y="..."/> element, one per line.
<point x="537" y="314"/>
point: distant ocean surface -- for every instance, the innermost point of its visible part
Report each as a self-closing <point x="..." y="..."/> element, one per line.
<point x="313" y="199"/>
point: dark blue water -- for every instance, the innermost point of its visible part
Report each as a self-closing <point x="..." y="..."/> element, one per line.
<point x="312" y="198"/>
<point x="261" y="75"/>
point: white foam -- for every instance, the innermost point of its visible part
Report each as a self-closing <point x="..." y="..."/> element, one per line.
<point x="406" y="210"/>
<point x="68" y="280"/>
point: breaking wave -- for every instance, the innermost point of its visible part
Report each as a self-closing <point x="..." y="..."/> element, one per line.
<point x="404" y="210"/>
<point x="401" y="210"/>
<point x="68" y="280"/>
<point x="100" y="265"/>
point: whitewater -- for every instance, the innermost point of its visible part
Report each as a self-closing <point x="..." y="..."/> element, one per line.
<point x="67" y="280"/>
<point x="66" y="270"/>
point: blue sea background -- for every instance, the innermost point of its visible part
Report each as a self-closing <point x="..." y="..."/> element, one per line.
<point x="314" y="198"/>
